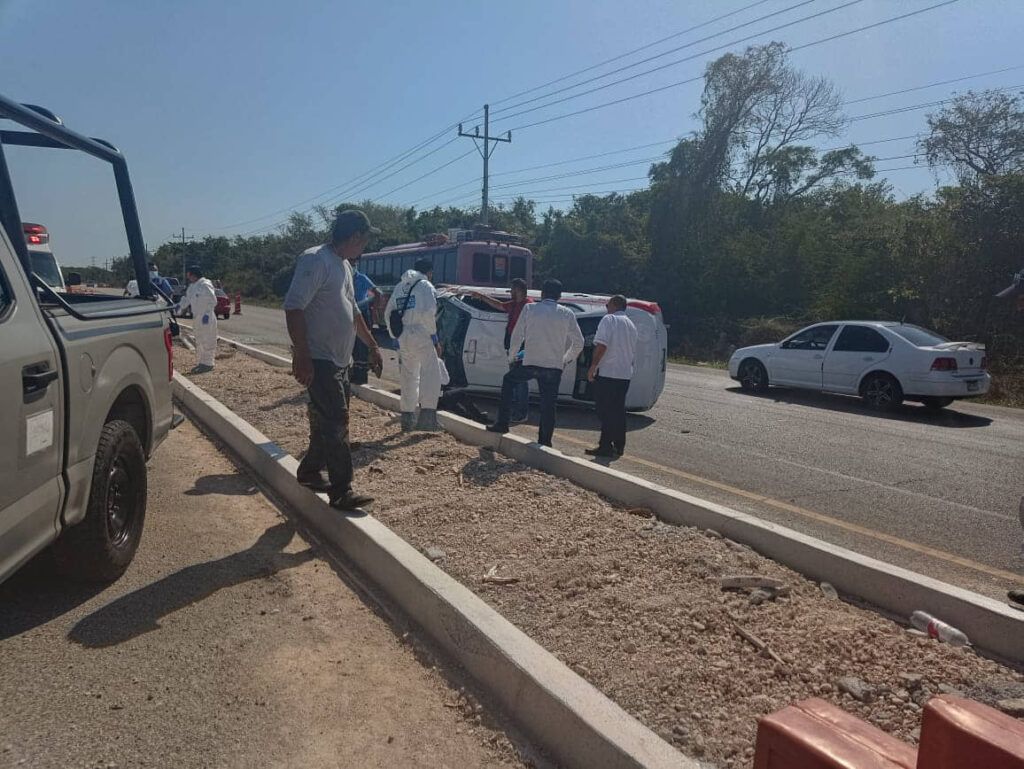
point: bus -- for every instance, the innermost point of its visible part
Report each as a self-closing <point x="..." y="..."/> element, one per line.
<point x="478" y="257"/>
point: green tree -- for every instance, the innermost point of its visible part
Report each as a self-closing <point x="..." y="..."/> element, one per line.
<point x="979" y="134"/>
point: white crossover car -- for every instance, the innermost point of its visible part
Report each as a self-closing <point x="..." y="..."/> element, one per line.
<point x="472" y="335"/>
<point x="884" y="363"/>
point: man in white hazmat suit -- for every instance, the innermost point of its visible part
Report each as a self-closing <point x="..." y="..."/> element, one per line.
<point x="413" y="309"/>
<point x="202" y="298"/>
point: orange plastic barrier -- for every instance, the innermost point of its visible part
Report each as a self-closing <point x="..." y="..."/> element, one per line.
<point x="962" y="734"/>
<point x="238" y="303"/>
<point x="816" y="735"/>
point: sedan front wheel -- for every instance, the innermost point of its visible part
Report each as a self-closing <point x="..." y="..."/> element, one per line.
<point x="753" y="376"/>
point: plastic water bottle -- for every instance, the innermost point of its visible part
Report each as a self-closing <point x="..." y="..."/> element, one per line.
<point x="936" y="628"/>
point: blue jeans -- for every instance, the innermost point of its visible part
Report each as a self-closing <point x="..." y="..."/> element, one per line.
<point x="547" y="383"/>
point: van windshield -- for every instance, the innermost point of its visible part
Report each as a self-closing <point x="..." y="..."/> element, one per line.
<point x="45" y="266"/>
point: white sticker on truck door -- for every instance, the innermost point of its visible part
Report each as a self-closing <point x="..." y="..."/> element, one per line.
<point x="38" y="432"/>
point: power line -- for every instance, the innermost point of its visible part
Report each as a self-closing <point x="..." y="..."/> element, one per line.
<point x="922" y="105"/>
<point x="691" y="57"/>
<point x="546" y="165"/>
<point x="630" y="53"/>
<point x="356" y="180"/>
<point x="633" y="97"/>
<point x="440" y="192"/>
<point x="669" y="52"/>
<point x="933" y="85"/>
<point x="352" y="191"/>
<point x="581" y="172"/>
<point x="424" y="176"/>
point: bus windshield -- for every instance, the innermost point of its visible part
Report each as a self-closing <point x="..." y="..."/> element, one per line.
<point x="45" y="266"/>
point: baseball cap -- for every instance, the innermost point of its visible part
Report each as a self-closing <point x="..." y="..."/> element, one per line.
<point x="351" y="222"/>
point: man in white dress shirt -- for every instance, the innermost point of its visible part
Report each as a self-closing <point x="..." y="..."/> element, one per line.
<point x="610" y="370"/>
<point x="552" y="340"/>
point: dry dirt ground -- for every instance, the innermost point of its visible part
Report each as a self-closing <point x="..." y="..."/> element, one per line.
<point x="633" y="605"/>
<point x="226" y="644"/>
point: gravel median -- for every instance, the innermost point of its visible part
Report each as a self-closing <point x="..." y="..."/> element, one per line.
<point x="635" y="606"/>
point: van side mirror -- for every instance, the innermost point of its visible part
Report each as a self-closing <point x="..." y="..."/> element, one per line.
<point x="74" y="279"/>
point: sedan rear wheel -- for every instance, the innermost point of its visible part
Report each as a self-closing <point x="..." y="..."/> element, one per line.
<point x="936" y="403"/>
<point x="753" y="376"/>
<point x="881" y="392"/>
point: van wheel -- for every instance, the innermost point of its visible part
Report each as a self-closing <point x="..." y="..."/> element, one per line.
<point x="100" y="547"/>
<point x="936" y="403"/>
<point x="753" y="376"/>
<point x="881" y="392"/>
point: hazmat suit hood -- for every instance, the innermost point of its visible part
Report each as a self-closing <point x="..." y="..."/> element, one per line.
<point x="419" y="319"/>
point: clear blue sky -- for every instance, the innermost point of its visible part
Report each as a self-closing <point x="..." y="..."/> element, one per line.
<point x="228" y="111"/>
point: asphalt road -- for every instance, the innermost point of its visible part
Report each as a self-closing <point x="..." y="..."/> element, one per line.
<point x="937" y="493"/>
<point x="228" y="643"/>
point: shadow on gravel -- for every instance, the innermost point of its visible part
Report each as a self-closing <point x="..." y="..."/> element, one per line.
<point x="488" y="468"/>
<point x="908" y="412"/>
<point x="290" y="400"/>
<point x="367" y="452"/>
<point x="36" y="594"/>
<point x="139" y="612"/>
<point x="226" y="484"/>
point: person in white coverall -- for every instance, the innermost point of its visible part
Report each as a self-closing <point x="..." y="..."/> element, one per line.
<point x="415" y="302"/>
<point x="202" y="298"/>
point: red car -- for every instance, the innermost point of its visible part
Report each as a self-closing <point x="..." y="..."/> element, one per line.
<point x="223" y="309"/>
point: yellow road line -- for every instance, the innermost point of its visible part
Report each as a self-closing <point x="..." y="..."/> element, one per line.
<point x="821" y="517"/>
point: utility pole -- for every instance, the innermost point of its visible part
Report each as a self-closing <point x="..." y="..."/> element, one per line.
<point x="486" y="150"/>
<point x="184" y="280"/>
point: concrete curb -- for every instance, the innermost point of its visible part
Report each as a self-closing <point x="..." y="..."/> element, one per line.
<point x="991" y="625"/>
<point x="561" y="712"/>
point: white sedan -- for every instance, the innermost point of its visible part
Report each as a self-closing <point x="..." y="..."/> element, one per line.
<point x="884" y="363"/>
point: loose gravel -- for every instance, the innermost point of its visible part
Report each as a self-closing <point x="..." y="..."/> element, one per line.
<point x="633" y="605"/>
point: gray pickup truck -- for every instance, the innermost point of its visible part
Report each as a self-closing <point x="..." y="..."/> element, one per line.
<point x="86" y="383"/>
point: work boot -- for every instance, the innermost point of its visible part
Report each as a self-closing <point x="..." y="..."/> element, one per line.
<point x="408" y="421"/>
<point x="428" y="421"/>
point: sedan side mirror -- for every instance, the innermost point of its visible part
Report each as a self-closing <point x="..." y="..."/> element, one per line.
<point x="74" y="279"/>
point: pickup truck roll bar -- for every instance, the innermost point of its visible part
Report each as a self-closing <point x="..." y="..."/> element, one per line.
<point x="47" y="130"/>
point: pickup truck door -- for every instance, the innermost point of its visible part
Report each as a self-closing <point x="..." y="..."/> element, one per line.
<point x="32" y="421"/>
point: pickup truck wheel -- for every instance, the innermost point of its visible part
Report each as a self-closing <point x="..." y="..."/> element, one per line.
<point x="100" y="547"/>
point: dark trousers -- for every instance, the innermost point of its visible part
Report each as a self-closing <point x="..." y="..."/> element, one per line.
<point x="547" y="383"/>
<point x="610" y="400"/>
<point x="520" y="396"/>
<point x="360" y="373"/>
<point x="328" y="427"/>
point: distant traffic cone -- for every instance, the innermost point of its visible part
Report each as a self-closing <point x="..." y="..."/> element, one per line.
<point x="238" y="303"/>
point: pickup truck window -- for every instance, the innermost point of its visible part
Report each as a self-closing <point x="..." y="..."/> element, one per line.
<point x="5" y="294"/>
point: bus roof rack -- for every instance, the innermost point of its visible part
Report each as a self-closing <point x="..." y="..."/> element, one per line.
<point x="484" y="233"/>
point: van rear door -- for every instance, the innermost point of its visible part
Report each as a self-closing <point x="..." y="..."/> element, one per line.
<point x="31" y="444"/>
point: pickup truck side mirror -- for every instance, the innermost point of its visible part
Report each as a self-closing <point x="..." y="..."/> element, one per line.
<point x="74" y="279"/>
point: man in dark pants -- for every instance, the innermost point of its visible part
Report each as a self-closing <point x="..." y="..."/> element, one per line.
<point x="513" y="308"/>
<point x="552" y="339"/>
<point x="323" y="322"/>
<point x="611" y="370"/>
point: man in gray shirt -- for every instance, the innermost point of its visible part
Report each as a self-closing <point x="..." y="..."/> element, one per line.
<point x="323" y="322"/>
